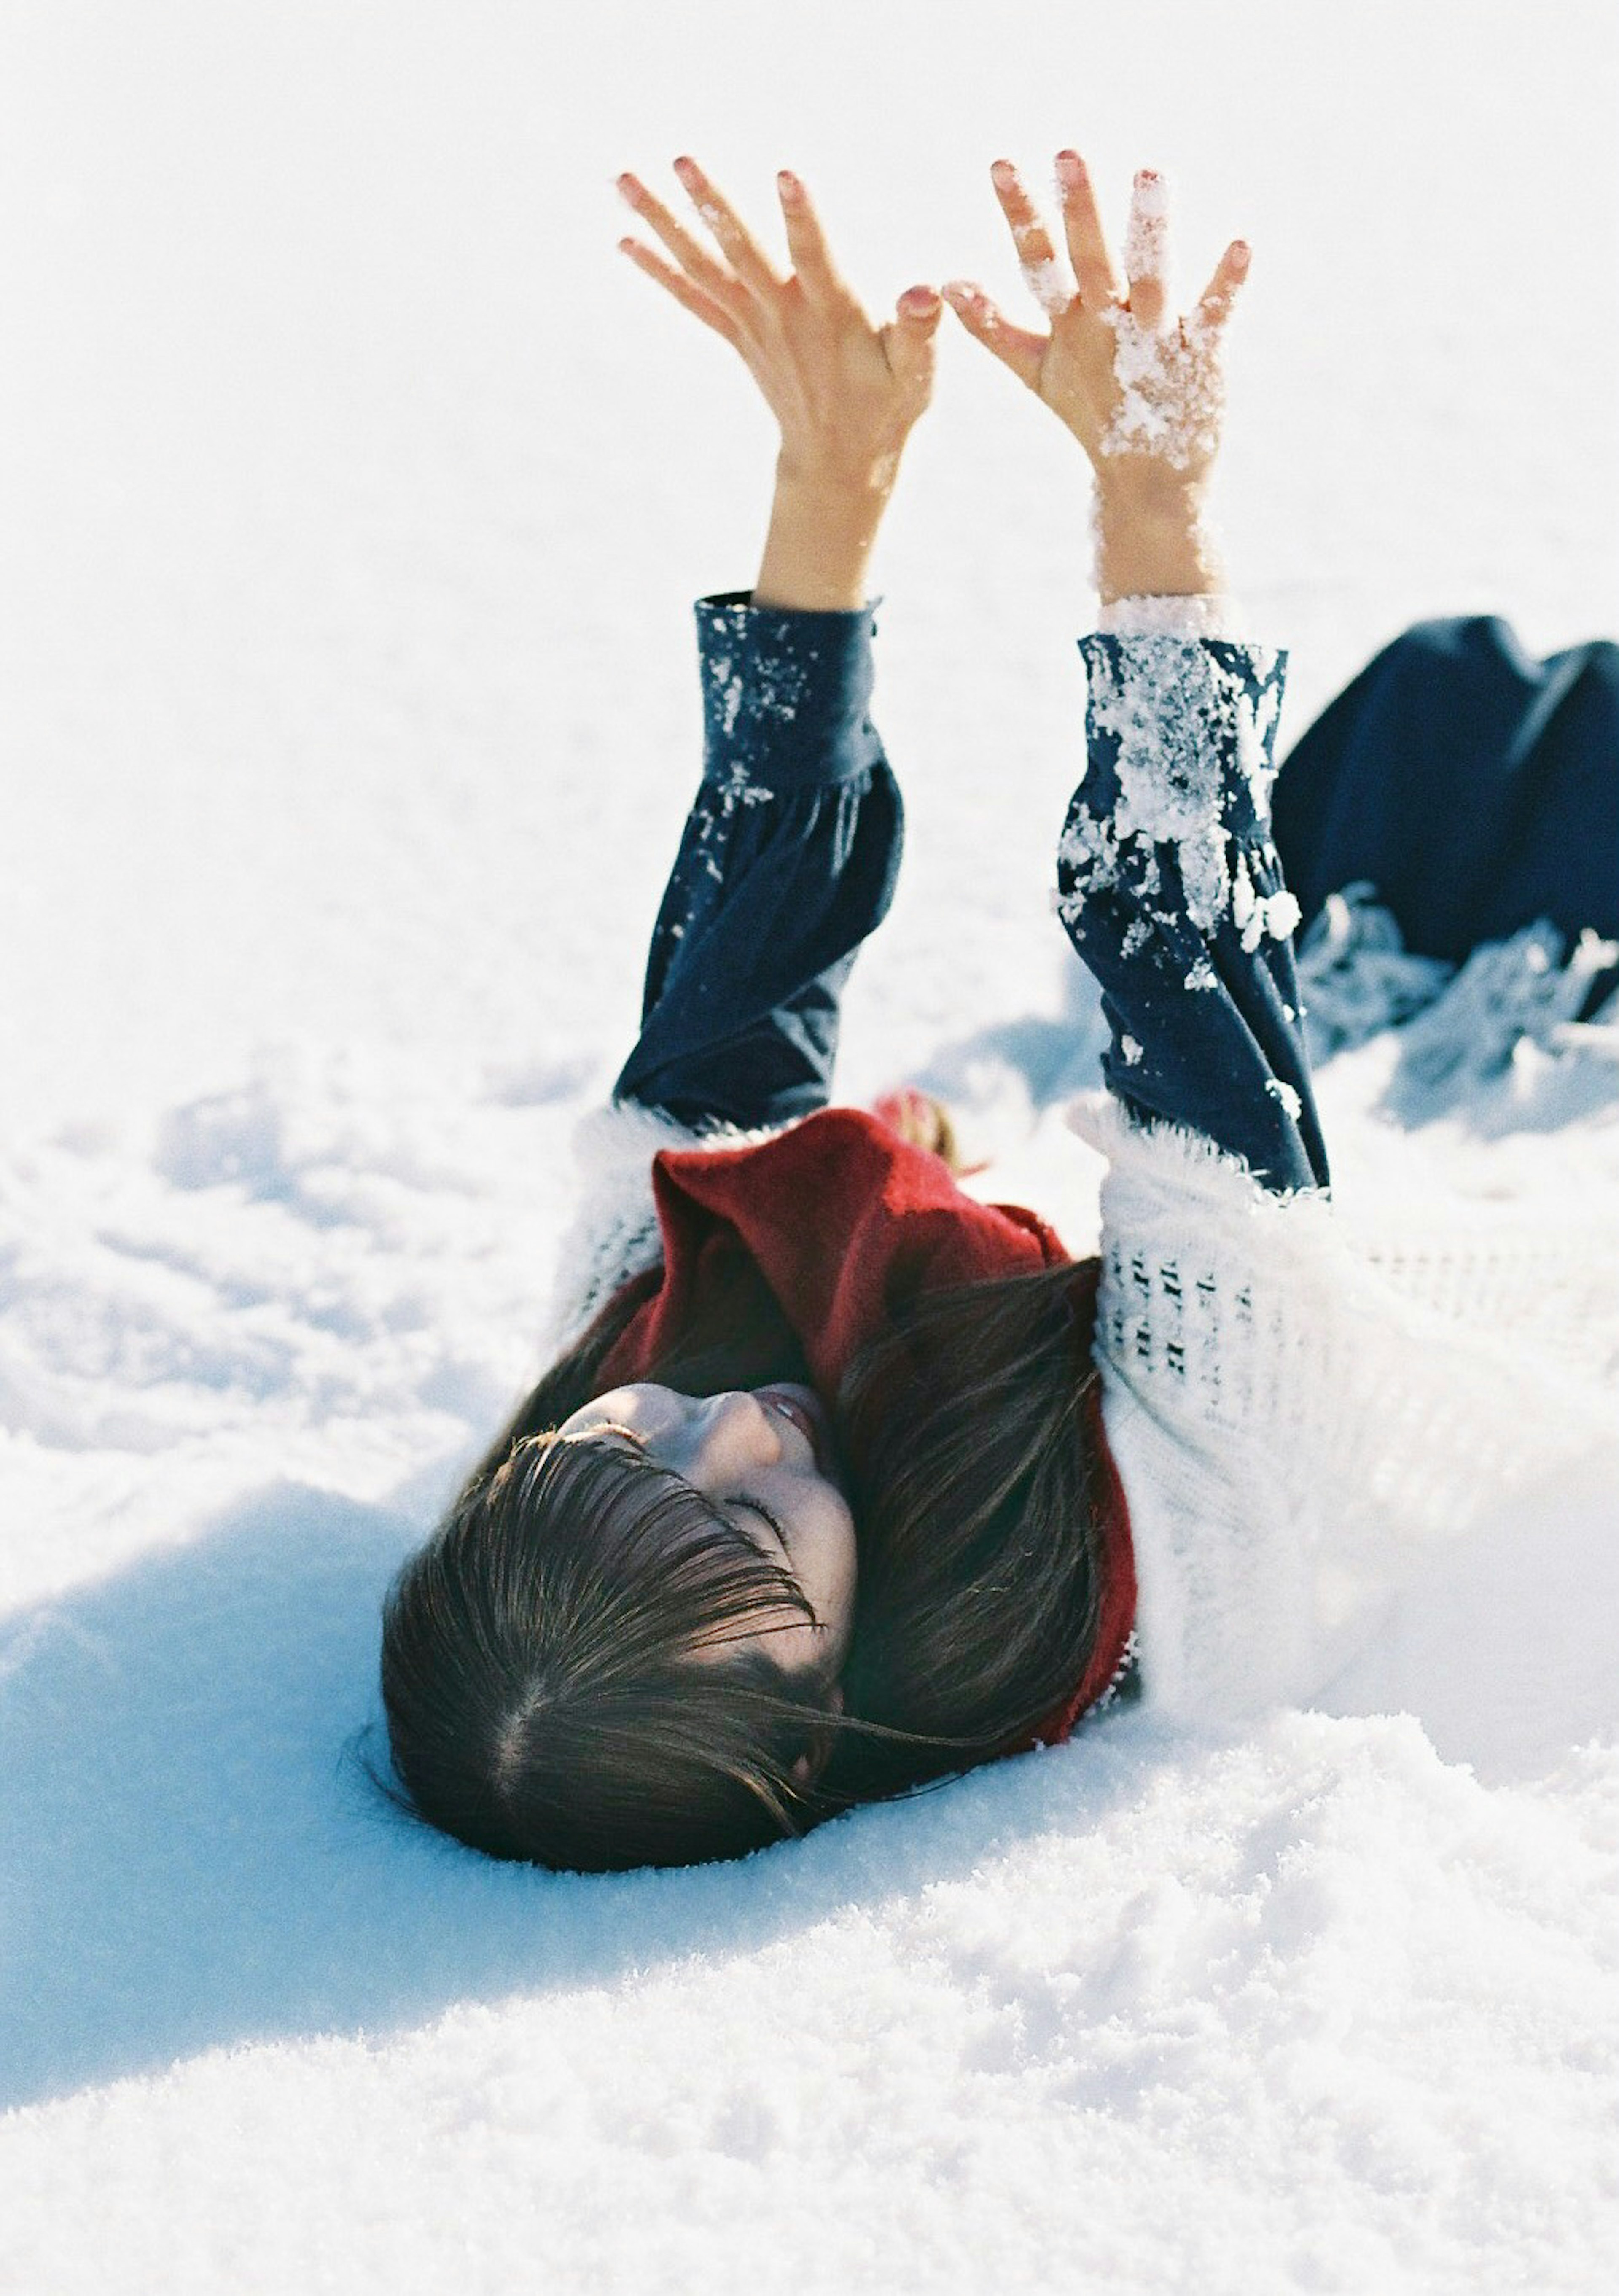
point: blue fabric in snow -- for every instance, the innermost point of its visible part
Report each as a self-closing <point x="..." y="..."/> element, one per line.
<point x="789" y="860"/>
<point x="1474" y="787"/>
<point x="1199" y="990"/>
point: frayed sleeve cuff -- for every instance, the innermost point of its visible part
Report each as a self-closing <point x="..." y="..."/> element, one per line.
<point x="1210" y="614"/>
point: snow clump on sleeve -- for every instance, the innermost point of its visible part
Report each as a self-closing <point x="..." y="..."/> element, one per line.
<point x="1168" y="710"/>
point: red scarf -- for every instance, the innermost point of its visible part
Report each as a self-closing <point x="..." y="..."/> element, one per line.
<point x="848" y="1224"/>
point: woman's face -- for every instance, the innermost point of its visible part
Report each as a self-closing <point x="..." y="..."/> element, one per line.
<point x="764" y="1456"/>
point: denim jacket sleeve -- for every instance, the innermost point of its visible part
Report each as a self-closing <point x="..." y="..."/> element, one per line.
<point x="787" y="861"/>
<point x="1170" y="889"/>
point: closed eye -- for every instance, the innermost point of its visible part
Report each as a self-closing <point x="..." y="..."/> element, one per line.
<point x="752" y="1506"/>
<point x="764" y="1514"/>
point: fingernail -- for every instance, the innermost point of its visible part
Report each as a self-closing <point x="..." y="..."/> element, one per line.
<point x="627" y="187"/>
<point x="1070" y="164"/>
<point x="788" y="185"/>
<point x="1004" y="171"/>
<point x="1241" y="253"/>
<point x="684" y="166"/>
<point x="920" y="301"/>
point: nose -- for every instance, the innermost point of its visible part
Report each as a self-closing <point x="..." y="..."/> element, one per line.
<point x="730" y="1434"/>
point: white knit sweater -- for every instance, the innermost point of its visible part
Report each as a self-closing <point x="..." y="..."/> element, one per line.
<point x="1300" y="1403"/>
<point x="1299" y="1400"/>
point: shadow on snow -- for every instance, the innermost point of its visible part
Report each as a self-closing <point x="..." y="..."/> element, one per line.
<point x="197" y="1858"/>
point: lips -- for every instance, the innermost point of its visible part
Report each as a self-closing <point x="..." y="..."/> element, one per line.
<point x="810" y="1424"/>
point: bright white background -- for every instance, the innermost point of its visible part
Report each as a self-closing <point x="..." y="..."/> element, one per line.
<point x="353" y="492"/>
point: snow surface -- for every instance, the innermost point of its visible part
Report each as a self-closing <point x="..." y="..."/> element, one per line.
<point x="354" y="493"/>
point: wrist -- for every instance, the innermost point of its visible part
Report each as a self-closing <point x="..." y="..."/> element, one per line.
<point x="1153" y="536"/>
<point x="837" y="477"/>
<point x="823" y="526"/>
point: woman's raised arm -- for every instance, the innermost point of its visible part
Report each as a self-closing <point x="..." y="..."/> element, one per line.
<point x="1169" y="884"/>
<point x="790" y="851"/>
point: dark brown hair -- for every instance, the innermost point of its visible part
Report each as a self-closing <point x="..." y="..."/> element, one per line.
<point x="542" y="1695"/>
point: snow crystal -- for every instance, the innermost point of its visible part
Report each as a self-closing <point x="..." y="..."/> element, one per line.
<point x="1279" y="1089"/>
<point x="1048" y="286"/>
<point x="736" y="787"/>
<point x="1138" y="932"/>
<point x="1146" y="232"/>
<point x="769" y="693"/>
<point x="1205" y="614"/>
<point x="1173" y="391"/>
<point x="1257" y="914"/>
<point x="1174" y="710"/>
<point x="1283" y="916"/>
<point x="1131" y="1050"/>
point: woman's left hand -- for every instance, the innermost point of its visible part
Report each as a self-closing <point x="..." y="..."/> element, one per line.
<point x="1141" y="391"/>
<point x="845" y="393"/>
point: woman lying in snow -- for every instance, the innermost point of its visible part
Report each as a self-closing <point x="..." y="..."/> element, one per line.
<point x="846" y="1480"/>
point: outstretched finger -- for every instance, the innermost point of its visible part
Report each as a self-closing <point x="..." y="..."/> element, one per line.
<point x="1214" y="304"/>
<point x="709" y="277"/>
<point x="736" y="244"/>
<point x="1098" y="282"/>
<point x="1014" y="347"/>
<point x="812" y="258"/>
<point x="691" y="299"/>
<point x="1032" y="240"/>
<point x="1147" y="247"/>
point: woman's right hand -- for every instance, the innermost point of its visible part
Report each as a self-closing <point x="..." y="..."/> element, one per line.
<point x="1141" y="390"/>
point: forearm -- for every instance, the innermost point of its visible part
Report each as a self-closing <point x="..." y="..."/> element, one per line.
<point x="1172" y="894"/>
<point x="788" y="862"/>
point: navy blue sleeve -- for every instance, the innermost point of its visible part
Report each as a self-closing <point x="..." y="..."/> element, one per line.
<point x="789" y="860"/>
<point x="1170" y="889"/>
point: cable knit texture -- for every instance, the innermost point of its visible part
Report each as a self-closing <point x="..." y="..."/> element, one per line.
<point x="1300" y="1405"/>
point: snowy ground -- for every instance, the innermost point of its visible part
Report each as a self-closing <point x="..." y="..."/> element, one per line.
<point x="353" y="493"/>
